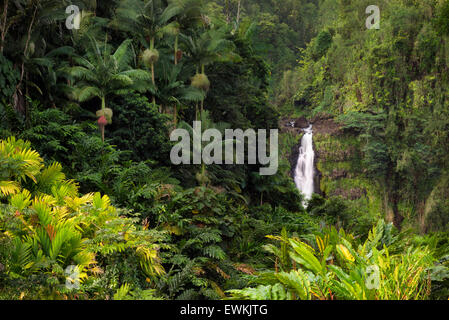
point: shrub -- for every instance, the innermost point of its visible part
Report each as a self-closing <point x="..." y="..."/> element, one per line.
<point x="140" y="128"/>
<point x="48" y="227"/>
<point x="336" y="266"/>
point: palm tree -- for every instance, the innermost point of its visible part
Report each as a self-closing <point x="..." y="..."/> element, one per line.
<point x="28" y="18"/>
<point x="205" y="48"/>
<point x="33" y="20"/>
<point x="189" y="16"/>
<point x="202" y="176"/>
<point x="103" y="73"/>
<point x="172" y="91"/>
<point x="148" y="21"/>
<point x="47" y="69"/>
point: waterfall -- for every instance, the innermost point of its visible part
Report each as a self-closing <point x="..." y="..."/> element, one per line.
<point x="305" y="170"/>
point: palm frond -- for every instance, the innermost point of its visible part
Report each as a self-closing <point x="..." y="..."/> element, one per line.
<point x="137" y="74"/>
<point x="123" y="56"/>
<point x="9" y="187"/>
<point x="87" y="93"/>
<point x="51" y="175"/>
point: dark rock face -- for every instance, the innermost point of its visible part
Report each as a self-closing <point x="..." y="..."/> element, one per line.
<point x="293" y="159"/>
<point x="352" y="194"/>
<point x="294" y="131"/>
<point x="301" y="123"/>
<point x="339" y="174"/>
<point x="316" y="181"/>
<point x="326" y="126"/>
<point x="336" y="155"/>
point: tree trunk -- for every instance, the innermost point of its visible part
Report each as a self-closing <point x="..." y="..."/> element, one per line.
<point x="421" y="208"/>
<point x="27" y="107"/>
<point x="22" y="73"/>
<point x="203" y="172"/>
<point x="398" y="218"/>
<point x="202" y="108"/>
<point x="196" y="111"/>
<point x="152" y="73"/>
<point x="176" y="50"/>
<point x="154" y="84"/>
<point x="238" y="14"/>
<point x="228" y="15"/>
<point x="4" y="29"/>
<point x="103" y="106"/>
<point x="175" y="115"/>
<point x="202" y="100"/>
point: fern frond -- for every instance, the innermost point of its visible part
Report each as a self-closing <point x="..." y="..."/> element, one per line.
<point x="214" y="252"/>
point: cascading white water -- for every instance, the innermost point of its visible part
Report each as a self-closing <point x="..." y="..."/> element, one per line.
<point x="305" y="170"/>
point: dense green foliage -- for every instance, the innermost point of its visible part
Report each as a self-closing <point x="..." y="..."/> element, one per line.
<point x="387" y="88"/>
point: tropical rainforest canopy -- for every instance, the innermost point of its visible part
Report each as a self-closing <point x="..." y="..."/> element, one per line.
<point x="91" y="207"/>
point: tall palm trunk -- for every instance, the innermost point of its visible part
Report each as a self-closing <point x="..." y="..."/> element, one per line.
<point x="25" y="55"/>
<point x="152" y="74"/>
<point x="3" y="27"/>
<point x="203" y="173"/>
<point x="102" y="133"/>
<point x="202" y="100"/>
<point x="196" y="111"/>
<point x="196" y="103"/>
<point x="176" y="50"/>
<point x="238" y="13"/>
<point x="154" y="84"/>
<point x="103" y="106"/>
<point x="175" y="115"/>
